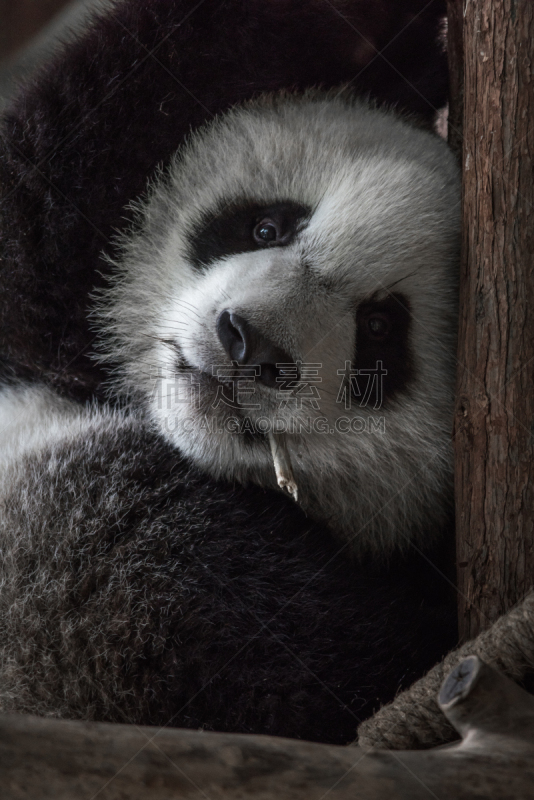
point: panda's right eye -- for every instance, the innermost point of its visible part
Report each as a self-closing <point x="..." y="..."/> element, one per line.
<point x="266" y="232"/>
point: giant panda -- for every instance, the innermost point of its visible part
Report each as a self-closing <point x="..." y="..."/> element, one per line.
<point x="225" y="474"/>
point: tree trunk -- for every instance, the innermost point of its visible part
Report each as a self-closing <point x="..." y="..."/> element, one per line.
<point x="494" y="419"/>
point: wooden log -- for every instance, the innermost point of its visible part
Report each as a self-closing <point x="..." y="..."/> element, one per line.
<point x="495" y="393"/>
<point x="41" y="759"/>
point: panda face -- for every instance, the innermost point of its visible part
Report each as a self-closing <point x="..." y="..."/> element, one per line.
<point x="295" y="273"/>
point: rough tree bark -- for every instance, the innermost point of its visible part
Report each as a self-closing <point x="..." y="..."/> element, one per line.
<point x="494" y="420"/>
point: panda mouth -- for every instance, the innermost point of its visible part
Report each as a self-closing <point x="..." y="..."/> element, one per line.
<point x="229" y="375"/>
<point x="277" y="441"/>
<point x="220" y="387"/>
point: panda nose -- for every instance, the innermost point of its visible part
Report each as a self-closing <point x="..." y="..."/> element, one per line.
<point x="246" y="345"/>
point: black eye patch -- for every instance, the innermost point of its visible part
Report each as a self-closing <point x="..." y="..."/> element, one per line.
<point x="382" y="335"/>
<point x="243" y="228"/>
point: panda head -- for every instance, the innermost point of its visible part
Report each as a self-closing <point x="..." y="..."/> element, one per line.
<point x="295" y="272"/>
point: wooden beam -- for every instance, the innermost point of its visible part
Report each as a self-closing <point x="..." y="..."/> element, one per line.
<point x="494" y="420"/>
<point x="45" y="759"/>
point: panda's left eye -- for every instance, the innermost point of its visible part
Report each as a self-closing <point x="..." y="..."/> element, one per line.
<point x="266" y="232"/>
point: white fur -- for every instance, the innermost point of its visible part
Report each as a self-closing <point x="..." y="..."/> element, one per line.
<point x="33" y="419"/>
<point x="385" y="200"/>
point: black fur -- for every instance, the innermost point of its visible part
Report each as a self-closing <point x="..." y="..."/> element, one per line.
<point x="232" y="230"/>
<point x="135" y="589"/>
<point x="80" y="144"/>
<point x="392" y="351"/>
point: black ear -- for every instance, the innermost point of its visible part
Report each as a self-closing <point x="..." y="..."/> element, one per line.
<point x="81" y="141"/>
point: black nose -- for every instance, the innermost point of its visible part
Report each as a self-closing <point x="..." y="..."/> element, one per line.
<point x="246" y="345"/>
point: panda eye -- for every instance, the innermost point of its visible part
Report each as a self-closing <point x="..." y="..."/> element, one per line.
<point x="378" y="326"/>
<point x="266" y="232"/>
